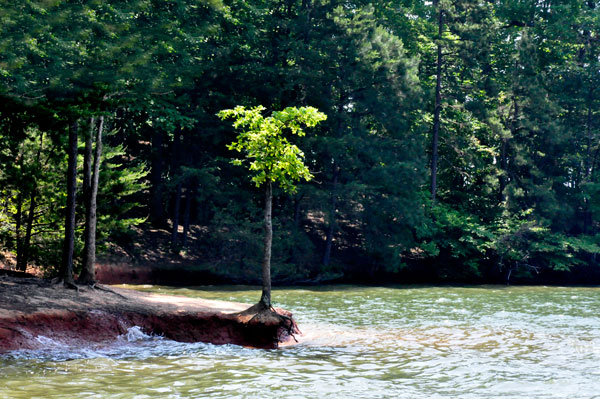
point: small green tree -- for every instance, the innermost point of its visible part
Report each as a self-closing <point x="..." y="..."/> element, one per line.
<point x="271" y="159"/>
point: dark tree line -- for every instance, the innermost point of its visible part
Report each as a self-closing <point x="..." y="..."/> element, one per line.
<point x="462" y="139"/>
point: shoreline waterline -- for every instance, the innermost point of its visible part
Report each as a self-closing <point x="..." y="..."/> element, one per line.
<point x="370" y="342"/>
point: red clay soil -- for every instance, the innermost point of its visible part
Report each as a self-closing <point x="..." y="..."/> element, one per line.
<point x="30" y="308"/>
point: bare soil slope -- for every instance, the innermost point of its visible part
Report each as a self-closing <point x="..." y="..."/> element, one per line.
<point x="31" y="307"/>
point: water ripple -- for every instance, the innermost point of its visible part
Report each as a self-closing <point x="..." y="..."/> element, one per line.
<point x="492" y="342"/>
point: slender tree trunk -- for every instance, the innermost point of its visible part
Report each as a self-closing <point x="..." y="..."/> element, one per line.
<point x="19" y="210"/>
<point x="175" y="172"/>
<point x="588" y="128"/>
<point x="438" y="105"/>
<point x="24" y="260"/>
<point x="504" y="150"/>
<point x="156" y="216"/>
<point x="69" y="239"/>
<point x="87" y="161"/>
<point x="589" y="162"/>
<point x="87" y="187"/>
<point x="186" y="215"/>
<point x="176" y="209"/>
<point x="88" y="275"/>
<point x="18" y="224"/>
<point x="265" y="299"/>
<point x="20" y="155"/>
<point x="332" y="212"/>
<point x="305" y="14"/>
<point x="23" y="252"/>
<point x="306" y="7"/>
<point x="334" y="180"/>
<point x="503" y="167"/>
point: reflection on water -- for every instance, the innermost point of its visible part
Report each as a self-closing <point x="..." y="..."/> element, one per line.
<point x="480" y="342"/>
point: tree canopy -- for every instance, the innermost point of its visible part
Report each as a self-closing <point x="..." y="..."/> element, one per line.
<point x="272" y="158"/>
<point x="462" y="139"/>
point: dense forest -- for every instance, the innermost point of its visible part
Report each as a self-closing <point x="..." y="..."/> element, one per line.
<point x="462" y="139"/>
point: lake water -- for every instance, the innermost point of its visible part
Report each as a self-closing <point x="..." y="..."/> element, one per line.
<point x="430" y="342"/>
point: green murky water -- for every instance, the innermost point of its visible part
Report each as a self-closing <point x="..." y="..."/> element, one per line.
<point x="477" y="342"/>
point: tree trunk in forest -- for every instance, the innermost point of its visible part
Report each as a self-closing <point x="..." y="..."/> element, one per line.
<point x="503" y="167"/>
<point x="18" y="223"/>
<point x="23" y="250"/>
<point x="332" y="212"/>
<point x="588" y="128"/>
<point x="175" y="217"/>
<point x="504" y="150"/>
<point x="69" y="239"/>
<point x="19" y="213"/>
<point x="24" y="258"/>
<point x="156" y="215"/>
<point x="87" y="161"/>
<point x="265" y="299"/>
<point x="87" y="185"/>
<point x="438" y="105"/>
<point x="175" y="169"/>
<point x="307" y="7"/>
<point x="88" y="275"/>
<point x="589" y="161"/>
<point x="186" y="215"/>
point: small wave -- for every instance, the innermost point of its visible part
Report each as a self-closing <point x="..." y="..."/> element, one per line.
<point x="129" y="344"/>
<point x="135" y="334"/>
<point x="46" y="342"/>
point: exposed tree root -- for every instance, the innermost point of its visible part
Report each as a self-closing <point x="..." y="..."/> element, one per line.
<point x="33" y="307"/>
<point x="66" y="283"/>
<point x="96" y="286"/>
<point x="284" y="324"/>
<point x="75" y="286"/>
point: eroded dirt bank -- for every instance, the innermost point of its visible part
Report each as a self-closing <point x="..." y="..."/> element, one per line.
<point x="30" y="308"/>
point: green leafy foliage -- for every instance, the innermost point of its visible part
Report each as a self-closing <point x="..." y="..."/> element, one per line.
<point x="271" y="156"/>
<point x="519" y="140"/>
<point x="121" y="184"/>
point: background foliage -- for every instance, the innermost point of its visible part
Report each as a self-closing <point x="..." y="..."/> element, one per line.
<point x="518" y="193"/>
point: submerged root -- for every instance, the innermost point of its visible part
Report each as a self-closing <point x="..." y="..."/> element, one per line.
<point x="290" y="326"/>
<point x="279" y="319"/>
